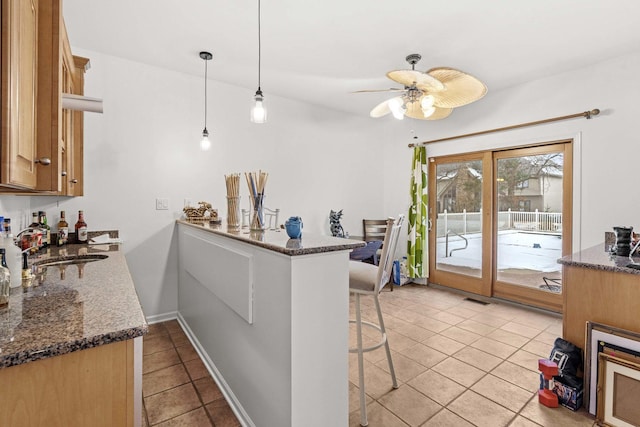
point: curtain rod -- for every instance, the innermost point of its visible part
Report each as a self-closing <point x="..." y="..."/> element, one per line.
<point x="586" y="114"/>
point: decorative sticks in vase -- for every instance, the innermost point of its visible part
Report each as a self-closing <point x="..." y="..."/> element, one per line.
<point x="257" y="181"/>
<point x="233" y="200"/>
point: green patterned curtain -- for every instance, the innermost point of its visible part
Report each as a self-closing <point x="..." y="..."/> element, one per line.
<point x="417" y="244"/>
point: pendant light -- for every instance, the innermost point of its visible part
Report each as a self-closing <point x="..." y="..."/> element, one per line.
<point x="259" y="112"/>
<point x="205" y="144"/>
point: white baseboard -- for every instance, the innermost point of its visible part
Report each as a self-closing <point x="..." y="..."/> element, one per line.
<point x="228" y="394"/>
<point x="157" y="318"/>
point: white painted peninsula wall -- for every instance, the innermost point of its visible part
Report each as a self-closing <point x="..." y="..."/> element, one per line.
<point x="270" y="317"/>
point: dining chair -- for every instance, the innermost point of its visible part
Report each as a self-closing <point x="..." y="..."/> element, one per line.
<point x="374" y="229"/>
<point x="367" y="280"/>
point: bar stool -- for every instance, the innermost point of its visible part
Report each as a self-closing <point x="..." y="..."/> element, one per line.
<point x="368" y="280"/>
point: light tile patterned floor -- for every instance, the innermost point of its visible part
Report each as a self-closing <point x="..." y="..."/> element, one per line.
<point x="177" y="389"/>
<point x="458" y="363"/>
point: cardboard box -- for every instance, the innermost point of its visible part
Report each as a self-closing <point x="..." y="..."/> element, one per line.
<point x="568" y="396"/>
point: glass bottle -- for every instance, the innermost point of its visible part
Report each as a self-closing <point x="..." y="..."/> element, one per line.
<point x="46" y="230"/>
<point x="12" y="253"/>
<point x="63" y="230"/>
<point x="81" y="228"/>
<point x="5" y="280"/>
<point x="37" y="230"/>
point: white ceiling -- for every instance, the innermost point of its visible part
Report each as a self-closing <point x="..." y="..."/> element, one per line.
<point x="320" y="51"/>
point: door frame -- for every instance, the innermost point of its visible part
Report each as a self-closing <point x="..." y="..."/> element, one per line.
<point x="486" y="285"/>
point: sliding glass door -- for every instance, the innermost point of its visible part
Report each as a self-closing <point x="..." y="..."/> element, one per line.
<point x="532" y="223"/>
<point x="501" y="220"/>
<point x="458" y="200"/>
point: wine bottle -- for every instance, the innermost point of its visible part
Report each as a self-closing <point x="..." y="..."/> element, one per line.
<point x="37" y="230"/>
<point x="81" y="228"/>
<point x="46" y="230"/>
<point x="63" y="230"/>
<point x="5" y="280"/>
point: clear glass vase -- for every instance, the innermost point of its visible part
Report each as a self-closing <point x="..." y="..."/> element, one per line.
<point x="257" y="218"/>
<point x="233" y="212"/>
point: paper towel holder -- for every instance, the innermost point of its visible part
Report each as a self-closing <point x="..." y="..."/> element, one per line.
<point x="81" y="103"/>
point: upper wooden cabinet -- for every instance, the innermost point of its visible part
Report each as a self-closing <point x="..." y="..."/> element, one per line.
<point x="41" y="142"/>
<point x="19" y="83"/>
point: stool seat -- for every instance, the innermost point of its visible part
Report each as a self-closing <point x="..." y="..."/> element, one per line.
<point x="362" y="276"/>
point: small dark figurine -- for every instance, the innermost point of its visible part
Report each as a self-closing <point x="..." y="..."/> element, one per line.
<point x="334" y="221"/>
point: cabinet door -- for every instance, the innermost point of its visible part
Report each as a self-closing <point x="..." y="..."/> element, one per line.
<point x="19" y="91"/>
<point x="76" y="177"/>
<point x="48" y="101"/>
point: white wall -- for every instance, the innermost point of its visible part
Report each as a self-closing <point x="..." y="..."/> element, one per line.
<point x="146" y="145"/>
<point x="605" y="165"/>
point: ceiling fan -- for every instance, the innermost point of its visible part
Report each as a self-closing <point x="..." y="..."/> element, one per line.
<point x="430" y="95"/>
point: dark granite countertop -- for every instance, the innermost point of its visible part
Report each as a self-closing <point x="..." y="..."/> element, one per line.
<point x="72" y="307"/>
<point x="598" y="259"/>
<point x="278" y="241"/>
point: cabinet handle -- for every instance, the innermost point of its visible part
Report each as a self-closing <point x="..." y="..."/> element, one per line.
<point x="74" y="181"/>
<point x="45" y="161"/>
<point x="64" y="173"/>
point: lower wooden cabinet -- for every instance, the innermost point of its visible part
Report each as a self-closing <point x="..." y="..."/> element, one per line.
<point x="93" y="387"/>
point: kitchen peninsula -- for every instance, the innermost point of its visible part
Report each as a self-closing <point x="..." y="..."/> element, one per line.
<point x="270" y="316"/>
<point x="71" y="343"/>
<point x="599" y="287"/>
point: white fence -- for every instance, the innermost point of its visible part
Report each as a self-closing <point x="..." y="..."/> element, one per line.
<point x="470" y="222"/>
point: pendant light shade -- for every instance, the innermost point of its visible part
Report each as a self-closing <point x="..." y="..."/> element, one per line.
<point x="259" y="111"/>
<point x="205" y="144"/>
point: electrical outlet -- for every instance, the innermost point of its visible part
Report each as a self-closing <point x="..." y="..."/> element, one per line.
<point x="162" y="204"/>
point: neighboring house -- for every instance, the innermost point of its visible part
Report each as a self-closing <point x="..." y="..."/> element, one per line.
<point x="459" y="189"/>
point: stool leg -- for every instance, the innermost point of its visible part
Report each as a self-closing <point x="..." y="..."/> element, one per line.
<point x="363" y="406"/>
<point x="386" y="342"/>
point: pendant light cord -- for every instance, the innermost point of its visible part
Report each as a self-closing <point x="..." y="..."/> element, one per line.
<point x="205" y="93"/>
<point x="259" y="47"/>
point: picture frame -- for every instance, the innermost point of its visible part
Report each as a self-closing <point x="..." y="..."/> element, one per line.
<point x="609" y="335"/>
<point x="616" y="377"/>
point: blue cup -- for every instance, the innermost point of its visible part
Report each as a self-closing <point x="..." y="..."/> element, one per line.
<point x="294" y="227"/>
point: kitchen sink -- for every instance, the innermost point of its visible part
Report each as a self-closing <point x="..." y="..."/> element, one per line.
<point x="67" y="260"/>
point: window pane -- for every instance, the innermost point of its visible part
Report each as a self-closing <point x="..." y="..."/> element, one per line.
<point x="529" y="237"/>
<point x="458" y="221"/>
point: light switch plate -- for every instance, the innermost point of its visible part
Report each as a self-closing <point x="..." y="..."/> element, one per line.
<point x="162" y="204"/>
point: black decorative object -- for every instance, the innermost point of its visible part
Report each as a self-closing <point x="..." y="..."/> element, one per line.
<point x="623" y="240"/>
<point x="334" y="221"/>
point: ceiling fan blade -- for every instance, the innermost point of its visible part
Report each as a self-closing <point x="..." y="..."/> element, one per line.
<point x="380" y="110"/>
<point x="379" y="90"/>
<point x="414" y="110"/>
<point x="423" y="81"/>
<point x="460" y="88"/>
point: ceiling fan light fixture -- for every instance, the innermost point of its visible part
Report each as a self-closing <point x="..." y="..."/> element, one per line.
<point x="397" y="107"/>
<point x="428" y="112"/>
<point x="430" y="95"/>
<point x="426" y="102"/>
